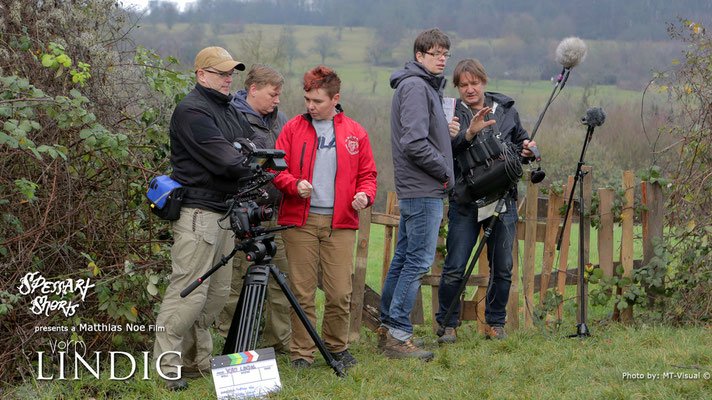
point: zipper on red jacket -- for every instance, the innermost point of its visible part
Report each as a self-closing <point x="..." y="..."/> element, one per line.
<point x="301" y="172"/>
<point x="311" y="172"/>
<point x="301" y="160"/>
<point x="336" y="149"/>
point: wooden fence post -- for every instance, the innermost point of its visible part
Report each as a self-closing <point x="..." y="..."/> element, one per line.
<point x="564" y="251"/>
<point x="653" y="220"/>
<point x="480" y="295"/>
<point x="532" y="200"/>
<point x="358" y="282"/>
<point x="391" y="201"/>
<point x="627" y="236"/>
<point x="582" y="292"/>
<point x="513" y="303"/>
<point x="553" y="220"/>
<point x="605" y="231"/>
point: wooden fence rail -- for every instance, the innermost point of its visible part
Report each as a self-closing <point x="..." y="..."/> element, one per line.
<point x="540" y="221"/>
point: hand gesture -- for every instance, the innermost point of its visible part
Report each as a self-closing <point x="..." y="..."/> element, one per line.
<point x="478" y="123"/>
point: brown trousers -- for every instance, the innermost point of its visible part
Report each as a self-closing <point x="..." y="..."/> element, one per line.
<point x="314" y="244"/>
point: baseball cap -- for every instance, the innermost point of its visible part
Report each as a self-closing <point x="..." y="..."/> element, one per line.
<point x="218" y="58"/>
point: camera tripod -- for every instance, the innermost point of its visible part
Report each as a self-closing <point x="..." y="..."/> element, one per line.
<point x="244" y="329"/>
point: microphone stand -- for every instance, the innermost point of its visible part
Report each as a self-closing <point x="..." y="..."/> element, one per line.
<point x="582" y="329"/>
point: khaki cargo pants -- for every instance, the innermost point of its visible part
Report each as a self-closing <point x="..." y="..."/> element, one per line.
<point x="198" y="245"/>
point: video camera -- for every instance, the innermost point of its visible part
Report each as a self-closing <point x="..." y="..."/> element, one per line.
<point x="244" y="215"/>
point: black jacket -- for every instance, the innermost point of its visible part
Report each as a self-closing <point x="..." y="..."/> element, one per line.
<point x="420" y="140"/>
<point x="508" y="124"/>
<point x="203" y="129"/>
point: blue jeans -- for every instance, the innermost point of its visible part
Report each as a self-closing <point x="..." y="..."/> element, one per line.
<point x="463" y="231"/>
<point x="414" y="254"/>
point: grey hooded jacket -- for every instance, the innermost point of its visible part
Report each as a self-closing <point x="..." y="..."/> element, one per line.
<point x="420" y="140"/>
<point x="268" y="128"/>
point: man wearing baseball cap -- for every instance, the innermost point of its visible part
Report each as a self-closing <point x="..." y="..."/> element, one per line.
<point x="203" y="130"/>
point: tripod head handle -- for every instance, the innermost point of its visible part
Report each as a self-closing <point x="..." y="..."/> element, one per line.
<point x="190" y="288"/>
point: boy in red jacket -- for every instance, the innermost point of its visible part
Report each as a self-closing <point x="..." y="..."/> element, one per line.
<point x="330" y="175"/>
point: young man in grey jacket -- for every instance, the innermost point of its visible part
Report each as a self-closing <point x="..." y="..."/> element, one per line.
<point x="258" y="102"/>
<point x="423" y="169"/>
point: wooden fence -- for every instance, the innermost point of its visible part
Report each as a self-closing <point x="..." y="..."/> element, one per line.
<point x="540" y="221"/>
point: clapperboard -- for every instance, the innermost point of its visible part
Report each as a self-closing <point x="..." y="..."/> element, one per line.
<point x="249" y="374"/>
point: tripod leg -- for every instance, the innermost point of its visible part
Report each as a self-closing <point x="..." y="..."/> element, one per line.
<point x="466" y="277"/>
<point x="235" y="326"/>
<point x="245" y="325"/>
<point x="337" y="366"/>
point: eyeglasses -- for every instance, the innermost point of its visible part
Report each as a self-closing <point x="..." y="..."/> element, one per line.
<point x="224" y="75"/>
<point x="438" y="54"/>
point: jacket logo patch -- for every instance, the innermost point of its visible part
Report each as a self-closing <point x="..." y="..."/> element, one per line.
<point x="352" y="145"/>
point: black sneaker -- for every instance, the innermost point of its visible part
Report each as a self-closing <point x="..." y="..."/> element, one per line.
<point x="301" y="363"/>
<point x="175" y="384"/>
<point x="345" y="357"/>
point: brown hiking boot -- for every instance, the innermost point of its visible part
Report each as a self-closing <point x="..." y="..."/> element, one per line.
<point x="450" y="336"/>
<point x="383" y="337"/>
<point x="395" y="348"/>
<point x="495" y="332"/>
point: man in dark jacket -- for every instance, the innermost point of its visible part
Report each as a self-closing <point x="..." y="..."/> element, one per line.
<point x="258" y="103"/>
<point x="203" y="130"/>
<point x="422" y="163"/>
<point x="465" y="219"/>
